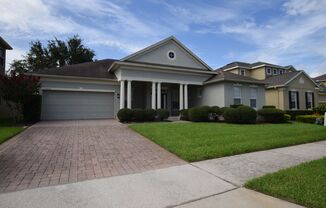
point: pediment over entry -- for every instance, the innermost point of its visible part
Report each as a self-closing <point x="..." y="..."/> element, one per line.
<point x="169" y="51"/>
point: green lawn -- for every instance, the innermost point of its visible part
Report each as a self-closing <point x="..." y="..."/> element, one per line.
<point x="304" y="184"/>
<point x="200" y="141"/>
<point x="8" y="132"/>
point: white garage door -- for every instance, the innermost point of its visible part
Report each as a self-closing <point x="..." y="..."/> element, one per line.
<point x="59" y="105"/>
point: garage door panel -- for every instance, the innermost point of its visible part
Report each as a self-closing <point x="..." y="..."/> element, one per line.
<point x="77" y="105"/>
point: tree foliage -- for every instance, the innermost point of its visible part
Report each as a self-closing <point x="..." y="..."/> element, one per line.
<point x="16" y="90"/>
<point x="57" y="53"/>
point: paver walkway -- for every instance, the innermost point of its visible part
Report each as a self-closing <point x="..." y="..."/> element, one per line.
<point x="52" y="153"/>
<point x="205" y="184"/>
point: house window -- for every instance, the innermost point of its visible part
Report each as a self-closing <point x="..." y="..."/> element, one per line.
<point x="171" y="55"/>
<point x="274" y="71"/>
<point x="268" y="69"/>
<point x="309" y="100"/>
<point x="253" y="97"/>
<point x="242" y="72"/>
<point x="236" y="95"/>
<point x="294" y="100"/>
<point x="281" y="71"/>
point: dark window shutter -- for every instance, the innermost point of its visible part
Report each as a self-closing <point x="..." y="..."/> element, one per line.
<point x="298" y="101"/>
<point x="306" y="94"/>
<point x="290" y="101"/>
<point x="313" y="99"/>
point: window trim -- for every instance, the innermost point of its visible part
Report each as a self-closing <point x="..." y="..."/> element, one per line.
<point x="295" y="92"/>
<point x="171" y="51"/>
<point x="307" y="100"/>
<point x="253" y="97"/>
<point x="244" y="72"/>
<point x="275" y="70"/>
<point x="240" y="94"/>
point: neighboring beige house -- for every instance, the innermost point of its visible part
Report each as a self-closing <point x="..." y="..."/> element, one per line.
<point x="286" y="88"/>
<point x="321" y="81"/>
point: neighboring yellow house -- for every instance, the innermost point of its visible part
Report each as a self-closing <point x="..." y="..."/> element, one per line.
<point x="321" y="81"/>
<point x="287" y="88"/>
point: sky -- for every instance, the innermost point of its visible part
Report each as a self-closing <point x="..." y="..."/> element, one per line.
<point x="287" y="32"/>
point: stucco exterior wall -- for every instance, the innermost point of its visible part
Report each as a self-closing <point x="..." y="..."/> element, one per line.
<point x="245" y="93"/>
<point x="159" y="56"/>
<point x="302" y="84"/>
<point x="213" y="94"/>
<point x="258" y="73"/>
<point x="321" y="98"/>
<point x="275" y="97"/>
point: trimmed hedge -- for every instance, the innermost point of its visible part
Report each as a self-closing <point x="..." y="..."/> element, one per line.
<point x="150" y="114"/>
<point x="235" y="106"/>
<point x="139" y="115"/>
<point x="125" y="115"/>
<point x="295" y="113"/>
<point x="199" y="114"/>
<point x="272" y="115"/>
<point x="308" y="118"/>
<point x="287" y="117"/>
<point x="321" y="109"/>
<point x="184" y="114"/>
<point x="269" y="106"/>
<point x="162" y="114"/>
<point x="32" y="109"/>
<point x="241" y="114"/>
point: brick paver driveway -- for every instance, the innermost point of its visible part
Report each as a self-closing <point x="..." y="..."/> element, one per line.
<point x="58" y="152"/>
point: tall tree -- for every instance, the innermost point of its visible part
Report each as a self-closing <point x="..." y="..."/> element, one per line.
<point x="57" y="53"/>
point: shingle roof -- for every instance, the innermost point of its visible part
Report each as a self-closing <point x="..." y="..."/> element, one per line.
<point x="250" y="65"/>
<point x="229" y="76"/>
<point x="233" y="64"/>
<point x="320" y="78"/>
<point x="281" y="79"/>
<point x="96" y="69"/>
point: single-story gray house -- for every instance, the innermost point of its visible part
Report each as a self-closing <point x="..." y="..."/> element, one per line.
<point x="164" y="75"/>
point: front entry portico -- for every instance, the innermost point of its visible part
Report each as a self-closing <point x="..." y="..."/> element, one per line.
<point x="154" y="95"/>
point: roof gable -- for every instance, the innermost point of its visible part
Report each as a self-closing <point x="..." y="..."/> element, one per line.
<point x="158" y="54"/>
<point x="287" y="79"/>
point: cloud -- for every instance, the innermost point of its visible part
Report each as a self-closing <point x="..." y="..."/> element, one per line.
<point x="15" y="54"/>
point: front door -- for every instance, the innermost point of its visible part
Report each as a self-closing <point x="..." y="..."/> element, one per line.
<point x="175" y="102"/>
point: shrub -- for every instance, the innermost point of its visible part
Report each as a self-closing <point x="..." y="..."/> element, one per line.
<point x="287" y="117"/>
<point x="162" y="114"/>
<point x="125" y="115"/>
<point x="295" y="113"/>
<point x="321" y="109"/>
<point x="32" y="109"/>
<point x="235" y="106"/>
<point x="269" y="106"/>
<point x="150" y="114"/>
<point x="308" y="118"/>
<point x="139" y="115"/>
<point x="184" y="114"/>
<point x="241" y="114"/>
<point x="199" y="114"/>
<point x="271" y="115"/>
<point x="223" y="109"/>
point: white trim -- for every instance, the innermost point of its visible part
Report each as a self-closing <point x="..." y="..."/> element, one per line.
<point x="181" y="97"/>
<point x="74" y="89"/>
<point x="122" y="94"/>
<point x="129" y="94"/>
<point x="155" y="45"/>
<point x="153" y="67"/>
<point x="235" y="67"/>
<point x="153" y="95"/>
<point x="71" y="77"/>
<point x="171" y="51"/>
<point x="186" y="96"/>
<point x="158" y="95"/>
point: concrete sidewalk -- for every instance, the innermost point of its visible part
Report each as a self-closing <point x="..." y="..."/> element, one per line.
<point x="206" y="184"/>
<point x="240" y="168"/>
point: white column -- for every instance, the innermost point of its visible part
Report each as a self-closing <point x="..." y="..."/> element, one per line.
<point x="158" y="95"/>
<point x="153" y="96"/>
<point x="122" y="94"/>
<point x="181" y="97"/>
<point x="129" y="94"/>
<point x="186" y="96"/>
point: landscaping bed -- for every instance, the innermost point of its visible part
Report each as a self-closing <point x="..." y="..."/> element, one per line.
<point x="201" y="141"/>
<point x="303" y="184"/>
